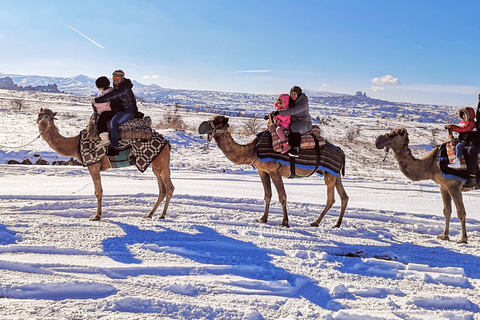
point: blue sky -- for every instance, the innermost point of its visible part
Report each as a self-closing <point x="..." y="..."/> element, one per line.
<point x="399" y="50"/>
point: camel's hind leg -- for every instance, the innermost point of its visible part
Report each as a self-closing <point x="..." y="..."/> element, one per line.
<point x="447" y="212"/>
<point x="456" y="194"/>
<point x="94" y="170"/>
<point x="282" y="196"/>
<point x="331" y="181"/>
<point x="161" y="169"/>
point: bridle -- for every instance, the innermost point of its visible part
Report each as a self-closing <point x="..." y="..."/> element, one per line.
<point x="214" y="131"/>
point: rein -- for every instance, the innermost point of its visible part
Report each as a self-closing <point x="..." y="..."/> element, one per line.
<point x="16" y="147"/>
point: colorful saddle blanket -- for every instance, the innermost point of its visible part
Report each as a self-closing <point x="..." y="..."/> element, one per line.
<point x="325" y="158"/>
<point x="138" y="128"/>
<point x="307" y="142"/>
<point x="141" y="151"/>
<point x="446" y="155"/>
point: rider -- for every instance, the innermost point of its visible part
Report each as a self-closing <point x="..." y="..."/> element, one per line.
<point x="301" y="122"/>
<point x="466" y="125"/>
<point x="122" y="91"/>
<point x="472" y="153"/>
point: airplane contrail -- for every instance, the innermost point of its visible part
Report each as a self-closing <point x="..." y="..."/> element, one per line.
<point x="85" y="37"/>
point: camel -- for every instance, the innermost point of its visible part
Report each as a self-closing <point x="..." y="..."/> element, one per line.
<point x="70" y="147"/>
<point x="426" y="168"/>
<point x="270" y="171"/>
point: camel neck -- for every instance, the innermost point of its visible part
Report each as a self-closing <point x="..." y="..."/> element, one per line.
<point x="64" y="146"/>
<point x="238" y="154"/>
<point x="415" y="169"/>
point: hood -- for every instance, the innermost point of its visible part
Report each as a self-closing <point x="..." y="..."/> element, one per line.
<point x="468" y="111"/>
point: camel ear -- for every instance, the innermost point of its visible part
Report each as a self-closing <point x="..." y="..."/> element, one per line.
<point x="402" y="132"/>
<point x="225" y="120"/>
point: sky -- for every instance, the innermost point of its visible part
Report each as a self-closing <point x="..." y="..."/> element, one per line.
<point x="405" y="51"/>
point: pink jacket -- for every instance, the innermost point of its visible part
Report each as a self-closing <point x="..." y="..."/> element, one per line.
<point x="280" y="120"/>
<point x="105" y="106"/>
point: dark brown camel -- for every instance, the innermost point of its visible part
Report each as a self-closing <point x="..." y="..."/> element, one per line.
<point x="425" y="169"/>
<point x="271" y="171"/>
<point x="70" y="147"/>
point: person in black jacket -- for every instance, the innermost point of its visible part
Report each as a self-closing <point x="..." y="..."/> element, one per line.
<point x="471" y="158"/>
<point x="128" y="107"/>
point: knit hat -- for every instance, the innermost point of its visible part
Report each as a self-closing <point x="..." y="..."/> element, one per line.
<point x="102" y="82"/>
<point x="118" y="72"/>
<point x="285" y="100"/>
<point x="296" y="89"/>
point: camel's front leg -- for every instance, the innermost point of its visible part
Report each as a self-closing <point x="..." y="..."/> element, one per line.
<point x="461" y="214"/>
<point x="267" y="188"/>
<point x="282" y="196"/>
<point x="166" y="189"/>
<point x="330" y="181"/>
<point x="94" y="170"/>
<point x="447" y="212"/>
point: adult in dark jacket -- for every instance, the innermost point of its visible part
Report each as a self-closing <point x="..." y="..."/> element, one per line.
<point x="122" y="92"/>
<point x="471" y="158"/>
<point x="300" y="120"/>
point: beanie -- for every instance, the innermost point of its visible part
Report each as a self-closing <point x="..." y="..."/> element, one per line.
<point x="296" y="89"/>
<point x="102" y="82"/>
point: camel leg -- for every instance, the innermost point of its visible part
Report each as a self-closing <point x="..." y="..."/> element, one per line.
<point x="461" y="214"/>
<point x="344" y="199"/>
<point x="161" y="169"/>
<point x="267" y="188"/>
<point x="330" y="181"/>
<point x="447" y="212"/>
<point x="282" y="196"/>
<point x="94" y="170"/>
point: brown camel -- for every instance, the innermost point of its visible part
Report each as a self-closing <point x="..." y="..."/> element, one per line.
<point x="425" y="169"/>
<point x="271" y="171"/>
<point x="70" y="147"/>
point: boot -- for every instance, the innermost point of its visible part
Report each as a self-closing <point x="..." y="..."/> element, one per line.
<point x="471" y="182"/>
<point x="104" y="141"/>
<point x="285" y="148"/>
<point x="455" y="164"/>
<point x="112" y="152"/>
<point x="293" y="152"/>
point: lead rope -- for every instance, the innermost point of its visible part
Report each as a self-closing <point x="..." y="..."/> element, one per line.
<point x="17" y="147"/>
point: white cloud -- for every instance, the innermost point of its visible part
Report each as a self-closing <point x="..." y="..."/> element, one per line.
<point x="254" y="71"/>
<point x="377" y="88"/>
<point x="386" y="80"/>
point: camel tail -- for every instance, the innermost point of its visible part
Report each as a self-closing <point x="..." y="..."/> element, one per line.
<point x="343" y="161"/>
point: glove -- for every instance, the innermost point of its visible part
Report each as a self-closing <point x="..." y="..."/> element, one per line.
<point x="448" y="126"/>
<point x="266" y="116"/>
<point x="275" y="113"/>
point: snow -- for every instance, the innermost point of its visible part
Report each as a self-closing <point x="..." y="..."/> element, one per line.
<point x="210" y="258"/>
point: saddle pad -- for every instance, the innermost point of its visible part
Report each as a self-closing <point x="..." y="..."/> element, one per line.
<point x="451" y="151"/>
<point x="443" y="161"/>
<point x="307" y="142"/>
<point x="142" y="150"/>
<point x="138" y="125"/>
<point x="332" y="158"/>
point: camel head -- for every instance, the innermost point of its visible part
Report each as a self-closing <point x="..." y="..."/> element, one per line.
<point x="45" y="119"/>
<point x="396" y="139"/>
<point x="218" y="124"/>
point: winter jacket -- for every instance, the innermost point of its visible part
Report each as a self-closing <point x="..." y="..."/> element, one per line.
<point x="105" y="106"/>
<point x="300" y="120"/>
<point x="465" y="125"/>
<point x="282" y="120"/>
<point x="123" y="92"/>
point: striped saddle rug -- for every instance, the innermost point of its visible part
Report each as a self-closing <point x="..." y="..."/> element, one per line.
<point x="140" y="152"/>
<point x="325" y="158"/>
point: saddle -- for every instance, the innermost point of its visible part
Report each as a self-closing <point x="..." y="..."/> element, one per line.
<point x="138" y="128"/>
<point x="320" y="158"/>
<point x="307" y="142"/>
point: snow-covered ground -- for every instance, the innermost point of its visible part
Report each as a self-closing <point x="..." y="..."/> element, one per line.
<point x="210" y="259"/>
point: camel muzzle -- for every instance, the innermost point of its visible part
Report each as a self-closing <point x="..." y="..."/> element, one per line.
<point x="381" y="142"/>
<point x="205" y="127"/>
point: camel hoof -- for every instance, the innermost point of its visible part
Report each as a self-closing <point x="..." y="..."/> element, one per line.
<point x="462" y="241"/>
<point x="261" y="221"/>
<point x="337" y="226"/>
<point x="161" y="218"/>
<point x="443" y="237"/>
<point x="147" y="216"/>
<point x="95" y="218"/>
<point x="314" y="224"/>
<point x="285" y="225"/>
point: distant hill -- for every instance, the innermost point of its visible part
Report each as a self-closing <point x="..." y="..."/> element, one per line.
<point x="323" y="103"/>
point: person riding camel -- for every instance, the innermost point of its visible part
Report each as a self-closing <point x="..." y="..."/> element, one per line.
<point x="122" y="91"/>
<point x="466" y="125"/>
<point x="282" y="123"/>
